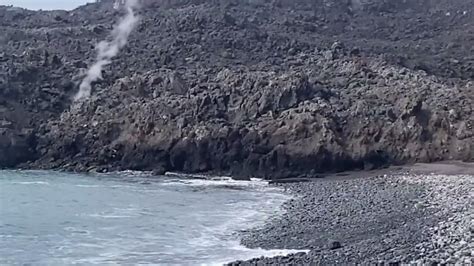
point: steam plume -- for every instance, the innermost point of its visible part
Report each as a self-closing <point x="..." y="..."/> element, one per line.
<point x="106" y="50"/>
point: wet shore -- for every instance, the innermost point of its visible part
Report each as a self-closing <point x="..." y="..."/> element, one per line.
<point x="417" y="214"/>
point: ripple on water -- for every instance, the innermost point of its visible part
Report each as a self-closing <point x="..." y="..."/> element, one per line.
<point x="130" y="219"/>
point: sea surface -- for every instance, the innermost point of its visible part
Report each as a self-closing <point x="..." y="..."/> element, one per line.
<point x="55" y="218"/>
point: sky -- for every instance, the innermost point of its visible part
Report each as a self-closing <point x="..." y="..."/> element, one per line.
<point x="45" y="4"/>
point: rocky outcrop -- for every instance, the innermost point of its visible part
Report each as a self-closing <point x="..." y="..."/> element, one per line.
<point x="16" y="147"/>
<point x="264" y="88"/>
<point x="323" y="117"/>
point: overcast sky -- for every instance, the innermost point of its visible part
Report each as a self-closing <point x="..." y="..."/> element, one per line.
<point x="45" y="4"/>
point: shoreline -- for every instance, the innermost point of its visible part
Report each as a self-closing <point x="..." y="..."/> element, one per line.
<point x="286" y="91"/>
<point x="375" y="216"/>
<point x="415" y="214"/>
<point x="220" y="209"/>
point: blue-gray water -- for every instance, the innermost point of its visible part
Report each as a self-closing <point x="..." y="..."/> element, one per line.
<point x="51" y="218"/>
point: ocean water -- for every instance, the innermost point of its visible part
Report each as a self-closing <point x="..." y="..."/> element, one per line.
<point x="53" y="218"/>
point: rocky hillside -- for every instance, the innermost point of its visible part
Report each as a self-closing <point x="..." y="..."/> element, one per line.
<point x="265" y="88"/>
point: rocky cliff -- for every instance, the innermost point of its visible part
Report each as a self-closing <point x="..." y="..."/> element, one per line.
<point x="263" y="88"/>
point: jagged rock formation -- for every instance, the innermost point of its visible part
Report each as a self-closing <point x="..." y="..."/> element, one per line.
<point x="266" y="88"/>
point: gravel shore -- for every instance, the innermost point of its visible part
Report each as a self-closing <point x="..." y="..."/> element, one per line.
<point x="406" y="216"/>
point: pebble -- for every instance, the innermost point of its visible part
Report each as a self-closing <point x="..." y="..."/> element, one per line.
<point x="437" y="232"/>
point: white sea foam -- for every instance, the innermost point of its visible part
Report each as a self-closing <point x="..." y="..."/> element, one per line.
<point x="110" y="216"/>
<point x="156" y="221"/>
<point x="32" y="183"/>
<point x="242" y="216"/>
<point x="197" y="176"/>
<point x="75" y="230"/>
<point x="248" y="254"/>
<point x="219" y="181"/>
<point x="103" y="186"/>
<point x="89" y="186"/>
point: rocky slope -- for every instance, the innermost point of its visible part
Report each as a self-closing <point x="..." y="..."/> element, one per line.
<point x="264" y="88"/>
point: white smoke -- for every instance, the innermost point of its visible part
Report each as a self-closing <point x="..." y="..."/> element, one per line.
<point x="106" y="50"/>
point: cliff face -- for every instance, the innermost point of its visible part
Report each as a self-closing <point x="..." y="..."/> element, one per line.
<point x="264" y="88"/>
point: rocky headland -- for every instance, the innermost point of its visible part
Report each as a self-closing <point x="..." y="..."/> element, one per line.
<point x="272" y="89"/>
